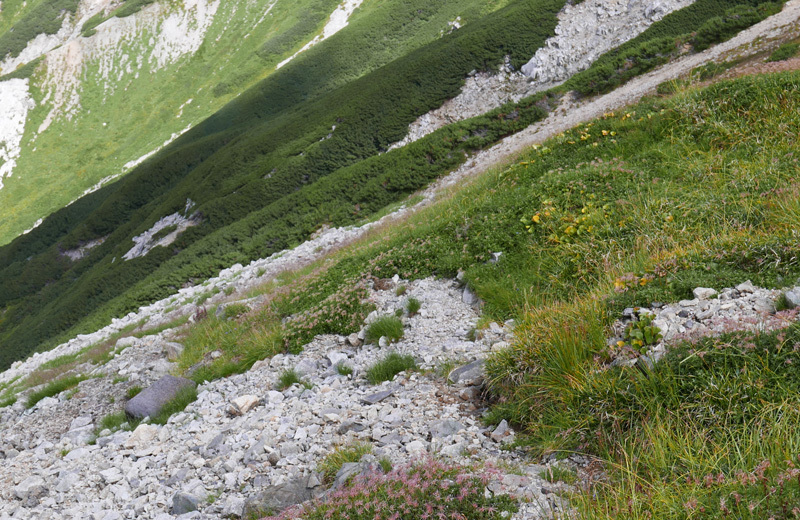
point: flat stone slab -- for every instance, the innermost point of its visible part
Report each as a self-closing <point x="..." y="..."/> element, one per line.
<point x="377" y="397"/>
<point x="150" y="401"/>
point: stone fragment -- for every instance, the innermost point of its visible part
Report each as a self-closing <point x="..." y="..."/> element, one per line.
<point x="501" y="431"/>
<point x="377" y="397"/>
<point x="274" y="397"/>
<point x="336" y="357"/>
<point x="444" y="428"/>
<point x="305" y="367"/>
<point x="704" y="293"/>
<point x="142" y="436"/>
<point x="350" y="426"/>
<point x="66" y="479"/>
<point x="469" y="297"/>
<point x="793" y="297"/>
<point x="111" y="475"/>
<point x="150" y="401"/>
<point x="470" y="393"/>
<point x="173" y="350"/>
<point x="746" y="287"/>
<point x="471" y="374"/>
<point x="416" y="448"/>
<point x="354" y="340"/>
<point x="31" y="487"/>
<point x="274" y="499"/>
<point x="243" y="404"/>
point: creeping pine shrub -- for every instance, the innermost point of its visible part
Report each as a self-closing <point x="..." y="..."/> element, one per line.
<point x="423" y="489"/>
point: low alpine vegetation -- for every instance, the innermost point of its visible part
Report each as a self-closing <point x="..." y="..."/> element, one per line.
<point x="288" y="378"/>
<point x="54" y="388"/>
<point x="332" y="463"/>
<point x="422" y="489"/>
<point x="389" y="327"/>
<point x="413" y="306"/>
<point x="388" y="367"/>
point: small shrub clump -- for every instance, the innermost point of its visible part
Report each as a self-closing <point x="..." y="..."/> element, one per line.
<point x="234" y="310"/>
<point x="390" y="366"/>
<point x="423" y="489"/>
<point x="389" y="327"/>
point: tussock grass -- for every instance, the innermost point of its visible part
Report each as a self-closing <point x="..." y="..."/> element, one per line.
<point x="388" y="367"/>
<point x="390" y="327"/>
<point x="54" y="388"/>
<point x="177" y="404"/>
<point x="288" y="378"/>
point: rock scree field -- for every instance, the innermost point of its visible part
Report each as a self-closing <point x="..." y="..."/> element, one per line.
<point x="581" y="303"/>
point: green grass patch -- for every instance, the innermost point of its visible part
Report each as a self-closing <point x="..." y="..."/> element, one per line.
<point x="389" y="327"/>
<point x="177" y="404"/>
<point x="288" y="378"/>
<point x="784" y="52"/>
<point x="558" y="474"/>
<point x="344" y="370"/>
<point x="234" y="310"/>
<point x="54" y="388"/>
<point x="334" y="461"/>
<point x="388" y="367"/>
<point x="413" y="306"/>
<point x="133" y="391"/>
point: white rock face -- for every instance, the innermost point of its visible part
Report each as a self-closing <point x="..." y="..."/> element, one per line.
<point x="337" y="21"/>
<point x="174" y="33"/>
<point x="584" y="32"/>
<point x="15" y="102"/>
<point x="588" y="30"/>
<point x="146" y="241"/>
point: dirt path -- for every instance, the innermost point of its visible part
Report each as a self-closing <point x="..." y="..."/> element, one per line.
<point x="762" y="36"/>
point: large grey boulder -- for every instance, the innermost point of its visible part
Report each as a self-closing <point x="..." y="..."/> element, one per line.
<point x="793" y="297"/>
<point x="273" y="499"/>
<point x="184" y="503"/>
<point x="150" y="401"/>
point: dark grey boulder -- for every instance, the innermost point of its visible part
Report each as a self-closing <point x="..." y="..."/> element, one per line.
<point x="468" y="375"/>
<point x="184" y="503"/>
<point x="274" y="499"/>
<point x="150" y="401"/>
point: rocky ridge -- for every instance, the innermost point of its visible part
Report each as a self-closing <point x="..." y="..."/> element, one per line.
<point x="584" y="33"/>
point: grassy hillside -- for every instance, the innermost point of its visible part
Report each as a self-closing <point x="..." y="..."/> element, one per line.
<point x="696" y="190"/>
<point x="269" y="169"/>
<point x="241" y="46"/>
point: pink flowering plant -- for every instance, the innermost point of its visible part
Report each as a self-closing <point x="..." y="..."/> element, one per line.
<point x="422" y="490"/>
<point x="342" y="312"/>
